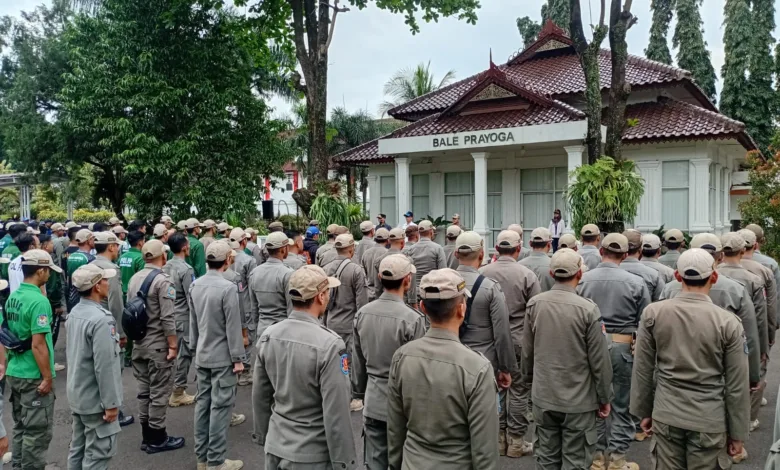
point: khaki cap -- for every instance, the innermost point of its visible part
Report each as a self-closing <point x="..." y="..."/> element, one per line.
<point x="443" y="284"/>
<point x="508" y="239"/>
<point x="219" y="250"/>
<point x="516" y="228"/>
<point x="345" y="240"/>
<point x="412" y="229"/>
<point x="33" y="231"/>
<point x="276" y="240"/>
<point x="615" y="242"/>
<point x="166" y="219"/>
<point x="159" y="230"/>
<point x="308" y="281"/>
<point x="453" y="231"/>
<point x="589" y="230"/>
<point x="566" y="262"/>
<point x="707" y="241"/>
<point x="91" y="226"/>
<point x="88" y="276"/>
<point x="113" y="220"/>
<point x="749" y="236"/>
<point x="674" y="235"/>
<point x="732" y="242"/>
<point x="208" y="223"/>
<point x="222" y="227"/>
<point x="313" y="222"/>
<point x="651" y="241"/>
<point x="83" y="236"/>
<point x="191" y="223"/>
<point x="541" y="234"/>
<point x="154" y="249"/>
<point x="332" y="229"/>
<point x="39" y="258"/>
<point x="395" y="234"/>
<point x="695" y="263"/>
<point x="395" y="267"/>
<point x="757" y="230"/>
<point x="366" y="226"/>
<point x="106" y="238"/>
<point x="469" y="242"/>
<point x="568" y="240"/>
<point x="57" y="227"/>
<point x="230" y="227"/>
<point x="634" y="238"/>
<point x="68" y="226"/>
<point x="342" y="230"/>
<point x="425" y="226"/>
<point x="276" y="224"/>
<point x="250" y="231"/>
<point x="238" y="235"/>
<point x="181" y="225"/>
<point x="382" y="235"/>
<point x="118" y="230"/>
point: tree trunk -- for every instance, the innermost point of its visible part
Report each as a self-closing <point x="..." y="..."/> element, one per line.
<point x="316" y="100"/>
<point x="620" y="20"/>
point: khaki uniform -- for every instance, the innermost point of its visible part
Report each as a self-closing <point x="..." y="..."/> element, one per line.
<point x="411" y="294"/>
<point x="591" y="256"/>
<point x="329" y="250"/>
<point x="244" y="265"/>
<point x="150" y="367"/>
<point x="206" y="241"/>
<point x="94" y="384"/>
<point x="369" y="262"/>
<point x="361" y="247"/>
<point x="426" y="256"/>
<point x="754" y="286"/>
<point x="770" y="293"/>
<point x="539" y="263"/>
<point x="294" y="261"/>
<point x="262" y="255"/>
<point x="667" y="273"/>
<point x="488" y="329"/>
<point x="670" y="259"/>
<point x="268" y="294"/>
<point x="441" y="392"/>
<point x="449" y="255"/>
<point x="524" y="252"/>
<point x="182" y="276"/>
<point x="113" y="303"/>
<point x="689" y="375"/>
<point x="302" y="419"/>
<point x="563" y="335"/>
<point x="652" y="278"/>
<point x="519" y="285"/>
<point x="257" y="252"/>
<point x="621" y="297"/>
<point x="773" y="266"/>
<point x="381" y="327"/>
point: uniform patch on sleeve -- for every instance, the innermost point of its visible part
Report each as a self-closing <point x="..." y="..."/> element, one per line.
<point x="344" y="362"/>
<point x="603" y="328"/>
<point x="43" y="321"/>
<point x="744" y="344"/>
<point x="171" y="293"/>
<point x="193" y="277"/>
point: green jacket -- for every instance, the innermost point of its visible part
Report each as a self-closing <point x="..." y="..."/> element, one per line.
<point x="10" y="252"/>
<point x="5" y="241"/>
<point x="129" y="264"/>
<point x="55" y="291"/>
<point x="77" y="260"/>
<point x="197" y="257"/>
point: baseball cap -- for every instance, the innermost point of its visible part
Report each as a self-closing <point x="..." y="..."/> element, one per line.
<point x="191" y="223"/>
<point x="113" y="220"/>
<point x="366" y="226"/>
<point x="588" y="230"/>
<point x="674" y="235"/>
<point x="118" y="229"/>
<point x="166" y="219"/>
<point x="453" y="231"/>
<point x="154" y="249"/>
<point x="566" y="262"/>
<point x="308" y="281"/>
<point x="409" y="214"/>
<point x="276" y="224"/>
<point x="651" y="242"/>
<point x="469" y="242"/>
<point x="332" y="229"/>
<point x="757" y="230"/>
<point x="39" y="258"/>
<point x="83" y="235"/>
<point x="749" y="236"/>
<point x="68" y="225"/>
<point x="106" y="238"/>
<point x="395" y="267"/>
<point x="382" y="235"/>
<point x="695" y="263"/>
<point x="425" y="226"/>
<point x="89" y="275"/>
<point x="381" y="216"/>
<point x="56" y="227"/>
<point x="567" y="241"/>
<point x="219" y="250"/>
<point x="33" y="231"/>
<point x="508" y="239"/>
<point x="250" y="232"/>
<point x="615" y="242"/>
<point x="181" y="225"/>
<point x="541" y="234"/>
<point x="456" y="216"/>
<point x="222" y="226"/>
<point x="91" y="226"/>
<point x="707" y="241"/>
<point x="516" y="228"/>
<point x="396" y="234"/>
<point x="634" y="238"/>
<point x="208" y="223"/>
<point x="313" y="222"/>
<point x="159" y="230"/>
<point x="443" y="284"/>
<point x="732" y="242"/>
<point x="344" y="240"/>
<point x="238" y="235"/>
<point x="312" y="231"/>
<point x="276" y="240"/>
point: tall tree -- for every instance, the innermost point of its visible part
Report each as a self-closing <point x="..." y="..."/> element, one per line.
<point x="555" y="10"/>
<point x="762" y="96"/>
<point x="412" y="82"/>
<point x="529" y="30"/>
<point x="692" y="52"/>
<point x="738" y="28"/>
<point x="658" y="47"/>
<point x="620" y="21"/>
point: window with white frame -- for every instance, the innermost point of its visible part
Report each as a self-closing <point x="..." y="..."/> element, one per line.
<point x="495" y="216"/>
<point x="713" y="194"/>
<point x="459" y="196"/>
<point x="541" y="192"/>
<point x="674" y="194"/>
<point x="420" y="195"/>
<point x="387" y="199"/>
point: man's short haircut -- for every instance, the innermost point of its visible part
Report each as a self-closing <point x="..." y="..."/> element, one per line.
<point x="177" y="242"/>
<point x="343" y="251"/>
<point x="44" y="238"/>
<point x="293" y="234"/>
<point x="633" y="251"/>
<point x="16" y="230"/>
<point x="216" y="264"/>
<point x="99" y="227"/>
<point x="191" y="231"/>
<point x="441" y="310"/>
<point x="24" y="241"/>
<point x="563" y="279"/>
<point x="73" y="231"/>
<point x="469" y="256"/>
<point x="332" y="236"/>
<point x="538" y="244"/>
<point x="302" y="304"/>
<point x="29" y="271"/>
<point x="650" y="253"/>
<point x="612" y="255"/>
<point x="673" y="246"/>
<point x="135" y="225"/>
<point x="695" y="282"/>
<point x="503" y="250"/>
<point x="590" y="238"/>
<point x="273" y="251"/>
<point x="134" y="238"/>
<point x="393" y="284"/>
<point x="101" y="247"/>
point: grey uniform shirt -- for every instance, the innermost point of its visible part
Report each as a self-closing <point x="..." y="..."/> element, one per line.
<point x="206" y="241"/>
<point x="411" y="295"/>
<point x="442" y="406"/>
<point x="670" y="258"/>
<point x="590" y="255"/>
<point x="114" y="303"/>
<point x="381" y="327"/>
<point x="325" y="253"/>
<point x="348" y="298"/>
<point x="449" y="255"/>
<point x="651" y="277"/>
<point x="732" y="296"/>
<point x="754" y="286"/>
<point x="426" y="256"/>
<point x="519" y="285"/>
<point x="364" y="244"/>
<point x="257" y="253"/>
<point x="215" y="323"/>
<point x="368" y="262"/>
<point x="159" y="308"/>
<point x="667" y="273"/>
<point x="621" y="296"/>
<point x="294" y="261"/>
<point x="773" y="266"/>
<point x="690" y="367"/>
<point x="94" y="375"/>
<point x="770" y="293"/>
<point x="539" y="263"/>
<point x="488" y="329"/>
<point x="268" y="291"/>
<point x="564" y="355"/>
<point x="244" y="265"/>
<point x="303" y="416"/>
<point x="524" y="252"/>
<point x="182" y="276"/>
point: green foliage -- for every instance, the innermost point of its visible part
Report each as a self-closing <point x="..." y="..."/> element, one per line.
<point x="529" y="30"/>
<point x="692" y="52"/>
<point x="762" y="98"/>
<point x="79" y="215"/>
<point x="763" y="205"/>
<point x="738" y="28"/>
<point x="606" y="193"/>
<point x="330" y="209"/>
<point x="293" y="222"/>
<point x="558" y="12"/>
<point x="658" y="47"/>
<point x="440" y="221"/>
<point x="410" y="83"/>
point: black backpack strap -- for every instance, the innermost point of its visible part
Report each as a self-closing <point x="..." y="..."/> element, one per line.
<point x="339" y="271"/>
<point x="144" y="290"/>
<point x="470" y="300"/>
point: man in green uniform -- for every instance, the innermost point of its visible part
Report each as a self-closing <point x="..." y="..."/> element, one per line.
<point x="31" y="372"/>
<point x="11" y="251"/>
<point x="197" y="257"/>
<point x="86" y="242"/>
<point x="7" y="238"/>
<point x="130" y="263"/>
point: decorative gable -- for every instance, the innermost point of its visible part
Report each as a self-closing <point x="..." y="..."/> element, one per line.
<point x="492" y="92"/>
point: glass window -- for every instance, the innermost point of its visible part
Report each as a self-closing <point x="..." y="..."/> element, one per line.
<point x="420" y="192"/>
<point x="712" y="194"/>
<point x="541" y="192"/>
<point x="387" y="199"/>
<point x="674" y="194"/>
<point x="724" y="195"/>
<point x="495" y="216"/>
<point x="459" y="197"/>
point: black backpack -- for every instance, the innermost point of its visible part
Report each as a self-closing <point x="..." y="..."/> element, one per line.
<point x="134" y="317"/>
<point x="11" y="341"/>
<point x="464" y="327"/>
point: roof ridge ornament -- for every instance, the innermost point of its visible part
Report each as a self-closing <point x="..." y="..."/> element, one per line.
<point x="550" y="29"/>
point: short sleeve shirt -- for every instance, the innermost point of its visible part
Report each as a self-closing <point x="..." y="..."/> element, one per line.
<point x="28" y="313"/>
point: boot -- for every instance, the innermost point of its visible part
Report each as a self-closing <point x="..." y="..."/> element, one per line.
<point x="754" y="425"/>
<point x="245" y="378"/>
<point x="356" y="405"/>
<point x="236" y="419"/>
<point x="501" y="443"/>
<point x="599" y="462"/>
<point x="125" y="420"/>
<point x="518" y="447"/>
<point x="180" y="397"/>
<point x="739" y="458"/>
<point x="640" y="436"/>
<point x="160" y="441"/>
<point x="619" y="462"/>
<point x="229" y="465"/>
<point x="144" y="435"/>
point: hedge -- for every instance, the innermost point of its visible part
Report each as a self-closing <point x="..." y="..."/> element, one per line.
<point x="79" y="215"/>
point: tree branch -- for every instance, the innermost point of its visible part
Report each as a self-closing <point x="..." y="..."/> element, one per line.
<point x="603" y="12"/>
<point x="298" y="32"/>
<point x="336" y="10"/>
<point x="94" y="163"/>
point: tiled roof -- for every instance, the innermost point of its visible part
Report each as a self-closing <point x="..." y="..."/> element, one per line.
<point x="365" y="153"/>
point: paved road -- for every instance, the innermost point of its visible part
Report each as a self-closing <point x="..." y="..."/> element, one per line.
<point x="180" y="422"/>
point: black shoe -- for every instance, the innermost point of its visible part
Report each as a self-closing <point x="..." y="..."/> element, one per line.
<point x="170" y="443"/>
<point x="125" y="420"/>
<point x="143" y="446"/>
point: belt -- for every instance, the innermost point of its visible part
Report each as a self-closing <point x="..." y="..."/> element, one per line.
<point x="626" y="339"/>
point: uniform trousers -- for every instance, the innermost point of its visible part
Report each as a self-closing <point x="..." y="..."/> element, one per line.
<point x="617" y="432"/>
<point x="514" y="404"/>
<point x="374" y="444"/>
<point x="564" y="440"/>
<point x="33" y="423"/>
<point x="756" y="396"/>
<point x="273" y="462"/>
<point x="153" y="372"/>
<point x="251" y="332"/>
<point x="213" y="406"/>
<point x="94" y="442"/>
<point x="184" y="355"/>
<point x="349" y="341"/>
<point x="674" y="448"/>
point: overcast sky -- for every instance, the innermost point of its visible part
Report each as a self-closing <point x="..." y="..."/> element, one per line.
<point x="370" y="45"/>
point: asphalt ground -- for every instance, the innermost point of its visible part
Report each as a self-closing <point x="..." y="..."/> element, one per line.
<point x="240" y="445"/>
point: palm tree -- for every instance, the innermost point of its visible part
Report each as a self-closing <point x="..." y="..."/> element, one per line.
<point x="410" y="83"/>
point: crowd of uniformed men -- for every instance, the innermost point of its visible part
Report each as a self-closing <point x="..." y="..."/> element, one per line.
<point x="448" y="353"/>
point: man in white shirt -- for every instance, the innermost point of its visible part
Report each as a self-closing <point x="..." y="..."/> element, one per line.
<point x="557" y="225"/>
<point x="409" y="220"/>
<point x="25" y="242"/>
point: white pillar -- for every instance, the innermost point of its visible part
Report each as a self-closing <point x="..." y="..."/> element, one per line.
<point x="648" y="216"/>
<point x="436" y="194"/>
<point x="726" y="206"/>
<point x="699" y="196"/>
<point x="403" y="195"/>
<point x="480" y="192"/>
<point x="718" y="210"/>
<point x="373" y="196"/>
<point x="574" y="154"/>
